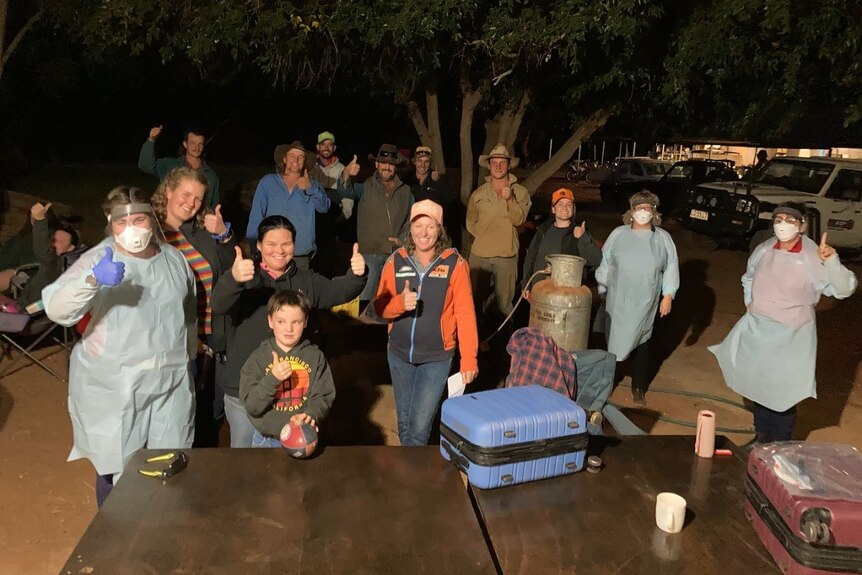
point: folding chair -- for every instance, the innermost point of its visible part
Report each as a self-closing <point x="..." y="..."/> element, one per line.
<point x="25" y="327"/>
<point x="26" y="331"/>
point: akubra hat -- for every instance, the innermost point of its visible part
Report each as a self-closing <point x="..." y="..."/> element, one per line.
<point x="388" y="154"/>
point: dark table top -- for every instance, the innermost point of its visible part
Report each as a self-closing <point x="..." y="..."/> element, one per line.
<point x="605" y="522"/>
<point x="373" y="510"/>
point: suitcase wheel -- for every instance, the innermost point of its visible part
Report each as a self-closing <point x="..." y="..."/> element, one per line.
<point x="815" y="525"/>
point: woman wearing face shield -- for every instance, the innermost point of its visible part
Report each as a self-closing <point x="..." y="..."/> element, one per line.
<point x="206" y="241"/>
<point x="244" y="293"/>
<point x="129" y="385"/>
<point x="770" y="354"/>
<point x="639" y="274"/>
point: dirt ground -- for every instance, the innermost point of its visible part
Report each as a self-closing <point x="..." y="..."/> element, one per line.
<point x="46" y="503"/>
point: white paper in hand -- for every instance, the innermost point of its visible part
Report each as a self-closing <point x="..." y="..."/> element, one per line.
<point x="456" y="385"/>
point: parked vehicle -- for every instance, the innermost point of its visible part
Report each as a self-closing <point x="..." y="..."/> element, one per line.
<point x="667" y="186"/>
<point x="830" y="188"/>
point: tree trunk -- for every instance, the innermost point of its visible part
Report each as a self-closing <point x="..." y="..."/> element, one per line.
<point x="470" y="98"/>
<point x="6" y="51"/>
<point x="434" y="129"/>
<point x="429" y="133"/>
<point x="567" y="150"/>
<point x="503" y="128"/>
<point x="511" y="125"/>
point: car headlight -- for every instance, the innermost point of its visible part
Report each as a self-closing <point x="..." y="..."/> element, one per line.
<point x="713" y="202"/>
<point x="699" y="199"/>
<point x="743" y="206"/>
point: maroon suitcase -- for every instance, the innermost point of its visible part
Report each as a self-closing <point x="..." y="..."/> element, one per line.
<point x="805" y="502"/>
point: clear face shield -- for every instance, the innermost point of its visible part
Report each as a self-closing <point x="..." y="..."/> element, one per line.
<point x="134" y="239"/>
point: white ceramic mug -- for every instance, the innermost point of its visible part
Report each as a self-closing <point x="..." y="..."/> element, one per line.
<point x="669" y="512"/>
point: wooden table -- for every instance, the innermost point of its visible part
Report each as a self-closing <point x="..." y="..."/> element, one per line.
<point x="605" y="523"/>
<point x="372" y="510"/>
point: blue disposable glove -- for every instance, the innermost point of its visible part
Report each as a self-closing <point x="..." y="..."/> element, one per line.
<point x="108" y="272"/>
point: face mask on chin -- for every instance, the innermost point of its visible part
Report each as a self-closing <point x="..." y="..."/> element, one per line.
<point x="642" y="217"/>
<point x="785" y="232"/>
<point x="134" y="239"/>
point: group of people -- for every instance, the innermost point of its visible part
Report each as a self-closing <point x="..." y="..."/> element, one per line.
<point x="179" y="327"/>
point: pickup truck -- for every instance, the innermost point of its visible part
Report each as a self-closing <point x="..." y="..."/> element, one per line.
<point x="733" y="212"/>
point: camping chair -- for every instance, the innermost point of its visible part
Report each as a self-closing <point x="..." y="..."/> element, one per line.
<point x="18" y="328"/>
<point x="26" y="331"/>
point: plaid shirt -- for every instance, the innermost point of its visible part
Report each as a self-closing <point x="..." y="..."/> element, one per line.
<point x="536" y="360"/>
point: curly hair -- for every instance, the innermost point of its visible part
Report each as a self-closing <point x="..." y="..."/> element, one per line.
<point x="171" y="182"/>
<point x="443" y="242"/>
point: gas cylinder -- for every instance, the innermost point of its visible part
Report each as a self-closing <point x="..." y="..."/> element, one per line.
<point x="560" y="306"/>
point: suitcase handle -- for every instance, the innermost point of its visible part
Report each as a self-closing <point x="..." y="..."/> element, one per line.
<point x="459" y="460"/>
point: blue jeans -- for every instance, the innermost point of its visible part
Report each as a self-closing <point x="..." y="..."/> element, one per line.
<point x="241" y="429"/>
<point x="418" y="389"/>
<point x="260" y="440"/>
<point x="375" y="266"/>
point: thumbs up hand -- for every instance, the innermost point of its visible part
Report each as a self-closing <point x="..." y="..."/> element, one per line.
<point x="243" y="269"/>
<point x="154" y="133"/>
<point x="357" y="262"/>
<point x="214" y="223"/>
<point x="108" y="272"/>
<point x="580" y="230"/>
<point x="826" y="251"/>
<point x="39" y="211"/>
<point x="280" y="369"/>
<point x="304" y="181"/>
<point x="351" y="169"/>
<point x="409" y="296"/>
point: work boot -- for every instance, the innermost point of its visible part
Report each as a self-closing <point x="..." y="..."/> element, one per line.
<point x="638" y="397"/>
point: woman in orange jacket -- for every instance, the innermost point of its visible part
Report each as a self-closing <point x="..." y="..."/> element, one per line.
<point x="425" y="294"/>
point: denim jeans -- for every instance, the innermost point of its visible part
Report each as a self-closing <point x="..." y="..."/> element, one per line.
<point x="241" y="429"/>
<point x="418" y="389"/>
<point x="260" y="440"/>
<point x="375" y="266"/>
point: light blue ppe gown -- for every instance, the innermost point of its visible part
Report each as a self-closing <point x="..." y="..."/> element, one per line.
<point x="638" y="267"/>
<point x="129" y="384"/>
<point x="770" y="354"/>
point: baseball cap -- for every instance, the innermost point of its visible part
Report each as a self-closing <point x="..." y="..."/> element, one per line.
<point x="562" y="193"/>
<point x="323" y="136"/>
<point x="427" y="208"/>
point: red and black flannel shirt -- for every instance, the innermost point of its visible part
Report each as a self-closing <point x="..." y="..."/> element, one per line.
<point x="536" y="360"/>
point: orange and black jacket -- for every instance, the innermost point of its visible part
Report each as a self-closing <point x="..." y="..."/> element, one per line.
<point x="444" y="316"/>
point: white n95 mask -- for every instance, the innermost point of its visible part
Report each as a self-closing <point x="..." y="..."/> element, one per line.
<point x="642" y="217"/>
<point x="785" y="232"/>
<point x="134" y="239"/>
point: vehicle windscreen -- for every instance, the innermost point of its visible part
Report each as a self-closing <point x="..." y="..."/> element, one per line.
<point x="680" y="172"/>
<point x="654" y="169"/>
<point x="799" y="175"/>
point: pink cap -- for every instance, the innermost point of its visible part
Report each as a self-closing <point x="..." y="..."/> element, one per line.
<point x="427" y="208"/>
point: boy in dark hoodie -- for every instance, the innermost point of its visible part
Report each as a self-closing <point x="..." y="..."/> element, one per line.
<point x="286" y="379"/>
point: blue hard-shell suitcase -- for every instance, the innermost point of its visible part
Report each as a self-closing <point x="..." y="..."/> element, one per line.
<point x="513" y="435"/>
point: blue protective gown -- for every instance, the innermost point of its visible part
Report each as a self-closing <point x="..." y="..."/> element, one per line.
<point x="770" y="354"/>
<point x="129" y="384"/>
<point x="638" y="267"/>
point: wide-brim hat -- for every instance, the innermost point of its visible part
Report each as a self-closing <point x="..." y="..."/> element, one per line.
<point x="388" y="154"/>
<point x="282" y="149"/>
<point x="499" y="151"/>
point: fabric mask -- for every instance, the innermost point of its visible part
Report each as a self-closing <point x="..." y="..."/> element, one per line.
<point x="134" y="239"/>
<point x="785" y="232"/>
<point x="642" y="217"/>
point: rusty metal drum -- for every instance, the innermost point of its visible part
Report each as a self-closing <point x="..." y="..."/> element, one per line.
<point x="560" y="306"/>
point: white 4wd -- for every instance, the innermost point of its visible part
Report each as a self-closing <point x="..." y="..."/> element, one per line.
<point x="830" y="188"/>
